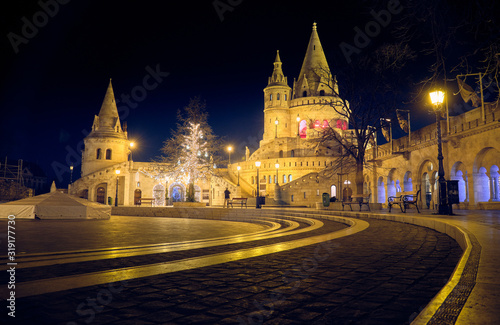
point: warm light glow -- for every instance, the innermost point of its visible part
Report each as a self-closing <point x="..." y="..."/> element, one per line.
<point x="71" y="167"/>
<point x="229" y="148"/>
<point x="238" y="168"/>
<point x="276" y="121"/>
<point x="117" y="172"/>
<point x="257" y="164"/>
<point x="298" y="118"/>
<point x="132" y="144"/>
<point x="437" y="97"/>
<point x="277" y="165"/>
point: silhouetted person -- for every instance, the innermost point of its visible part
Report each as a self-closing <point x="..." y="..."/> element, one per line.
<point x="227" y="195"/>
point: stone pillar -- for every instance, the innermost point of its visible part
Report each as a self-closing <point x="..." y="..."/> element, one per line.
<point x="470" y="192"/>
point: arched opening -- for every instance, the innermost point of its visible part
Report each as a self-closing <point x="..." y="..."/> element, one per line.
<point x="457" y="174"/>
<point x="281" y="154"/>
<point x="159" y="195"/>
<point x="290" y="178"/>
<point x="304" y="93"/>
<point x="284" y="178"/>
<point x="101" y="195"/>
<point x="303" y="129"/>
<point x="495" y="196"/>
<point x="98" y="153"/>
<point x="278" y="96"/>
<point x="292" y="153"/>
<point x="391" y="184"/>
<point x="485" y="175"/>
<point x="137" y="197"/>
<point x="177" y="191"/>
<point x="108" y="154"/>
<point x="322" y="92"/>
<point x="407" y="182"/>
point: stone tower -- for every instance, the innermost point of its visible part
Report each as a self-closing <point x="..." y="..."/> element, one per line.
<point x="276" y="104"/>
<point x="107" y="144"/>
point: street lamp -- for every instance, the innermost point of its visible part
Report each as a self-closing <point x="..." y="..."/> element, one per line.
<point x="276" y="133"/>
<point x="71" y="174"/>
<point x="238" y="168"/>
<point x="277" y="166"/>
<point x="131" y="145"/>
<point x="257" y="197"/>
<point x="298" y="124"/>
<point x="229" y="149"/>
<point x="116" y="196"/>
<point x="437" y="98"/>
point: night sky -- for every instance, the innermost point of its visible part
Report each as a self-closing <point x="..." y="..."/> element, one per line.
<point x="54" y="85"/>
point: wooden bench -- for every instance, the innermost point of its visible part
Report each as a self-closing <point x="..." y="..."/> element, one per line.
<point x="404" y="200"/>
<point x="411" y="199"/>
<point x="395" y="200"/>
<point x="361" y="199"/>
<point x="146" y="199"/>
<point x="239" y="200"/>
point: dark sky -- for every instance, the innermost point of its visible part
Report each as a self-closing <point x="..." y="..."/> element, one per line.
<point x="55" y="83"/>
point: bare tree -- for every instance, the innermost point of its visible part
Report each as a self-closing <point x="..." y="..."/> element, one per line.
<point x="369" y="88"/>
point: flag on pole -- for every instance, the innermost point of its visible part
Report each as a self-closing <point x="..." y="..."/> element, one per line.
<point x="403" y="122"/>
<point x="467" y="93"/>
<point x="386" y="128"/>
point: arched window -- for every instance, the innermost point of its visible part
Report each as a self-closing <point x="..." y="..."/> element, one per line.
<point x="278" y="96"/>
<point x="322" y="92"/>
<point x="292" y="153"/>
<point x="333" y="191"/>
<point x="285" y="96"/>
<point x="284" y="178"/>
<point x="98" y="154"/>
<point x="270" y="97"/>
<point x="290" y="178"/>
<point x="269" y="178"/>
<point x="304" y="94"/>
<point x="264" y="178"/>
<point x="108" y="154"/>
<point x="281" y="153"/>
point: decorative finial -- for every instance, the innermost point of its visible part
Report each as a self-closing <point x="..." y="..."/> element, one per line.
<point x="314" y="26"/>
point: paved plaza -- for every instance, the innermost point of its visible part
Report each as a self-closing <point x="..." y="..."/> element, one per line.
<point x="298" y="266"/>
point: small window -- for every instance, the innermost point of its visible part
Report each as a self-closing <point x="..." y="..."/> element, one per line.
<point x="292" y="198"/>
<point x="281" y="154"/>
<point x="290" y="178"/>
<point x="292" y="153"/>
<point x="284" y="179"/>
<point x="98" y="154"/>
<point x="138" y="184"/>
<point x="317" y="192"/>
<point x="269" y="178"/>
<point x="108" y="154"/>
<point x="270" y="97"/>
<point x="285" y="96"/>
<point x="278" y="96"/>
<point x="304" y="195"/>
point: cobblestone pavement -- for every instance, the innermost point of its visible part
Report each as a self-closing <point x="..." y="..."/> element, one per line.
<point x="383" y="275"/>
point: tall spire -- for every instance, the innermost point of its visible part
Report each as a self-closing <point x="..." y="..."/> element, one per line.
<point x="108" y="115"/>
<point x="315" y="67"/>
<point x="277" y="78"/>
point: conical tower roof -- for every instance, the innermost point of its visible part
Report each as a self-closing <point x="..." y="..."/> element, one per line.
<point x="315" y="65"/>
<point x="108" y="114"/>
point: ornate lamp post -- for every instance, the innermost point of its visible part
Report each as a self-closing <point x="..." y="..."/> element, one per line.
<point x="71" y="174"/>
<point x="116" y="195"/>
<point x="277" y="166"/>
<point x="298" y="125"/>
<point x="238" y="168"/>
<point x="229" y="149"/>
<point x="257" y="196"/>
<point x="437" y="98"/>
<point x="276" y="132"/>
